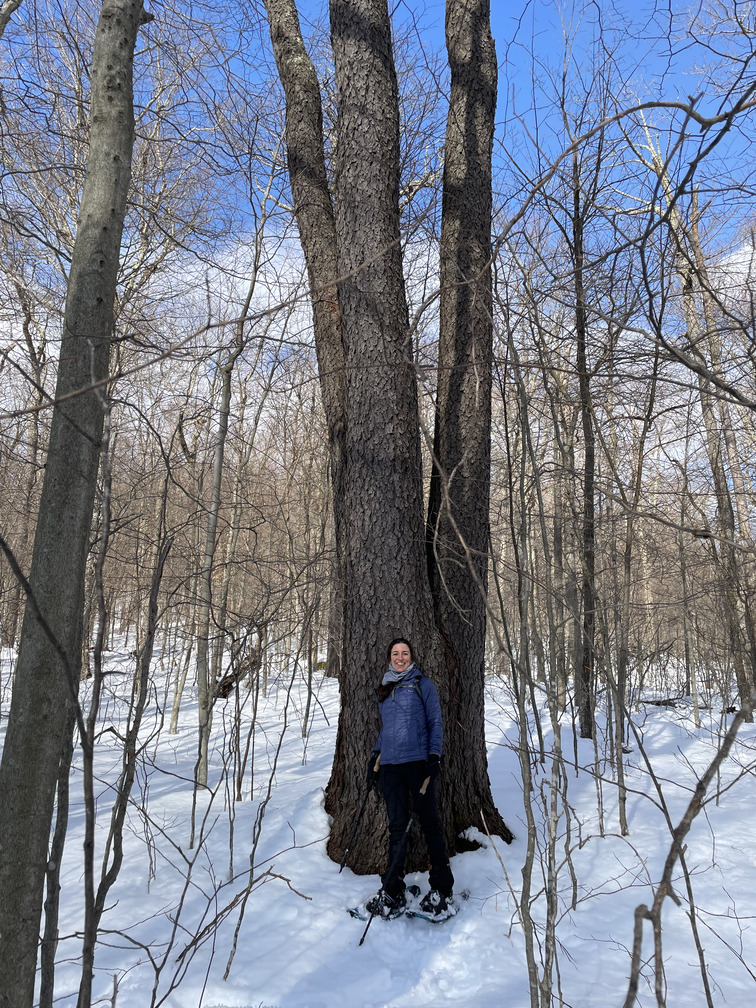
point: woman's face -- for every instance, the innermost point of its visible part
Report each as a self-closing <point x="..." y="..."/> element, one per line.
<point x="401" y="656"/>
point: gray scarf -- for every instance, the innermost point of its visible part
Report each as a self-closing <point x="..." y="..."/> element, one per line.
<point x="392" y="676"/>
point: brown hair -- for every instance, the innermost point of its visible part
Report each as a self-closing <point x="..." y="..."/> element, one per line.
<point x="399" y="640"/>
<point x="385" y="691"/>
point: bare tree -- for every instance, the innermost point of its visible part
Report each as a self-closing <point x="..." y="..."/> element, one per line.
<point x="44" y="695"/>
<point x="458" y="505"/>
<point x="719" y="435"/>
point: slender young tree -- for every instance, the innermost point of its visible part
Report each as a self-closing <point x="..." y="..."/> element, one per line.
<point x="44" y="695"/>
<point x="586" y="676"/>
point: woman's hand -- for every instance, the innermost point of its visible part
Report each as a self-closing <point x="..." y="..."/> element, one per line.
<point x="373" y="763"/>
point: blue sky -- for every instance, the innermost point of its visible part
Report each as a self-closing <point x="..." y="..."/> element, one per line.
<point x="531" y="43"/>
<point x="617" y="53"/>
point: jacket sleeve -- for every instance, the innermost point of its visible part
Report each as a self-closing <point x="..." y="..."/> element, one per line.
<point x="433" y="716"/>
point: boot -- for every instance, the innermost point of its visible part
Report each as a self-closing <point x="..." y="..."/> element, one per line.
<point x="383" y="905"/>
<point x="438" y="904"/>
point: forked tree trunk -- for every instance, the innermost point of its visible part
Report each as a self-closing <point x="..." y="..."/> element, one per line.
<point x="49" y="659"/>
<point x="373" y="414"/>
<point x="386" y="584"/>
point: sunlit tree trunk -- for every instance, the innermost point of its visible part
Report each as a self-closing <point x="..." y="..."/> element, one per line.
<point x="205" y="684"/>
<point x="386" y="584"/>
<point x="717" y="428"/>
<point x="51" y="640"/>
<point x="734" y="485"/>
<point x="6" y="11"/>
<point x="313" y="209"/>
<point x="375" y="440"/>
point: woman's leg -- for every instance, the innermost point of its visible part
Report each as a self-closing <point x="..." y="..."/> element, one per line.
<point x="396" y="796"/>
<point x="440" y="876"/>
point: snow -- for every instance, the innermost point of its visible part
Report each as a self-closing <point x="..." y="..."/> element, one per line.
<point x="177" y="911"/>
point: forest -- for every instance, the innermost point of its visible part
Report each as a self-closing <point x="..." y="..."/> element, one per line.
<point x="323" y="323"/>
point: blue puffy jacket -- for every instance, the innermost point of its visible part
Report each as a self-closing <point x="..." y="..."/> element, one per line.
<point x="411" y="721"/>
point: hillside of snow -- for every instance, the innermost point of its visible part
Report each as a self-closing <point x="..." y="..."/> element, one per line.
<point x="188" y="926"/>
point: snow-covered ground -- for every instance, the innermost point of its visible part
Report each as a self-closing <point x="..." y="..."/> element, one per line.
<point x="178" y="911"/>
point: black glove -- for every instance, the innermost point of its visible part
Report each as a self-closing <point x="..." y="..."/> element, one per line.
<point x="434" y="765"/>
<point x="372" y="772"/>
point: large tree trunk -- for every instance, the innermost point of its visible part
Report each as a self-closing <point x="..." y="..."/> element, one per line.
<point x="386" y="585"/>
<point x="313" y="209"/>
<point x="370" y="398"/>
<point x="49" y="660"/>
<point x="458" y="508"/>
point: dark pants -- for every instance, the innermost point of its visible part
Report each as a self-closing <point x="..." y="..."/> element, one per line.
<point x="401" y="783"/>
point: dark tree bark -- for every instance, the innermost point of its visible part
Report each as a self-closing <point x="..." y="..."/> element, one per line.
<point x="49" y="661"/>
<point x="386" y="585"/>
<point x="585" y="674"/>
<point x="313" y="209"/>
<point x="371" y="405"/>
<point x="458" y="508"/>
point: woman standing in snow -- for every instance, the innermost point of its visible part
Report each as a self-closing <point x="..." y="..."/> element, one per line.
<point x="409" y="746"/>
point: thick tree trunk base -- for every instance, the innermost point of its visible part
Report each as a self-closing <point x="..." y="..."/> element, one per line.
<point x="368" y="847"/>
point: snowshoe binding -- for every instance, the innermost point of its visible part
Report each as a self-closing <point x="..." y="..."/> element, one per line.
<point x="435" y="907"/>
<point x="387" y="907"/>
<point x="383" y="905"/>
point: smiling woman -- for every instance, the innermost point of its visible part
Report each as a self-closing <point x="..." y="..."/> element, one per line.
<point x="408" y="753"/>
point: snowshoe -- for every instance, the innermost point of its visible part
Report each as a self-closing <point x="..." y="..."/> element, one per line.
<point x="435" y="907"/>
<point x="384" y="906"/>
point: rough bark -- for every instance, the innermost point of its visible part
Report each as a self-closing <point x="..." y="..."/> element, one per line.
<point x="586" y="674"/>
<point x="50" y="652"/>
<point x="386" y="585"/>
<point x="458" y="508"/>
<point x="313" y="209"/>
<point x="370" y="397"/>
